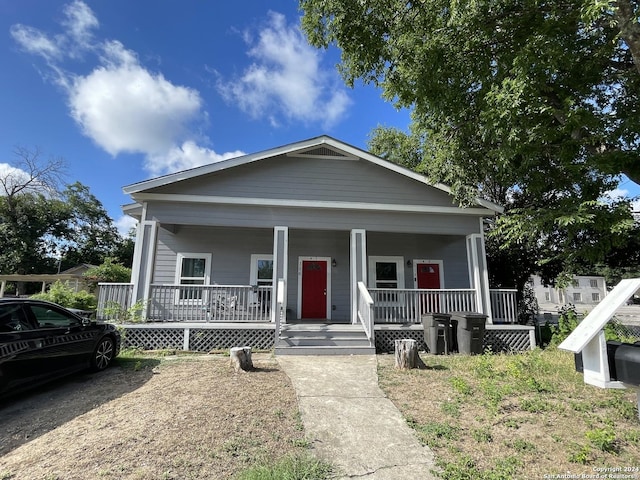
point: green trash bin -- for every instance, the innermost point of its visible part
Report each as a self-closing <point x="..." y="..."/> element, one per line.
<point x="470" y="331"/>
<point x="437" y="333"/>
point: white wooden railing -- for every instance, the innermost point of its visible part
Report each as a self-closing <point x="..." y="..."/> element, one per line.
<point x="407" y="305"/>
<point x="365" y="312"/>
<point x="504" y="306"/>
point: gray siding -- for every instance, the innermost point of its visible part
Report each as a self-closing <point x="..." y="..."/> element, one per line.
<point x="312" y="179"/>
<point x="306" y="218"/>
<point x="451" y="250"/>
<point x="231" y="250"/>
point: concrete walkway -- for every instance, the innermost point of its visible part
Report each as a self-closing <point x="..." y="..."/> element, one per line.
<point x="350" y="421"/>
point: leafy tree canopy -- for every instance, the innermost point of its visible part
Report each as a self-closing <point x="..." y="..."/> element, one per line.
<point x="46" y="225"/>
<point x="530" y="104"/>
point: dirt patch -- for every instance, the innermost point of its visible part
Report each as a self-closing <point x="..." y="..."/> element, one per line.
<point x="170" y="419"/>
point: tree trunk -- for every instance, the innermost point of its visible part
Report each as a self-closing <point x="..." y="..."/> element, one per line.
<point x="407" y="354"/>
<point x="241" y="359"/>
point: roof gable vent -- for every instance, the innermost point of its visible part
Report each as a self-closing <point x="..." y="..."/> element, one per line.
<point x="323" y="152"/>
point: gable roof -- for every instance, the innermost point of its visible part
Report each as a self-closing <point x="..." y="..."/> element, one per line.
<point x="323" y="146"/>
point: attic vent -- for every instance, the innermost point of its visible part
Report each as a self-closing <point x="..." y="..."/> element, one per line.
<point x="323" y="152"/>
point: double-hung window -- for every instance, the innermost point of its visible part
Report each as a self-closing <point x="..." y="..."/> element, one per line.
<point x="262" y="276"/>
<point x="193" y="270"/>
<point x="386" y="272"/>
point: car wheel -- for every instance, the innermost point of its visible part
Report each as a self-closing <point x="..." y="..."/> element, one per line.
<point x="103" y="354"/>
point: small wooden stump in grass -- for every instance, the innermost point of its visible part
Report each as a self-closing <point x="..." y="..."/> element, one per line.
<point x="241" y="359"/>
<point x="407" y="357"/>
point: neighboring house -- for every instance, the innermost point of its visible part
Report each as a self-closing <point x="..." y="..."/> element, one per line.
<point x="74" y="277"/>
<point x="317" y="225"/>
<point x="584" y="292"/>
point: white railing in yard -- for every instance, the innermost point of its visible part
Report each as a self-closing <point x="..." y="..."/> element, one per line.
<point x="365" y="312"/>
<point x="408" y="305"/>
<point x="504" y="306"/>
<point x="113" y="300"/>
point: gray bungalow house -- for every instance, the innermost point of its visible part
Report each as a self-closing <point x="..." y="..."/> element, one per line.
<point x="316" y="232"/>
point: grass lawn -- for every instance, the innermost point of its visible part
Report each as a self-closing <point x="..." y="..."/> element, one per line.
<point x="515" y="416"/>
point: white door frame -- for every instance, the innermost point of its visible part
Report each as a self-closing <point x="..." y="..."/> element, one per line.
<point x="300" y="260"/>
<point x="440" y="264"/>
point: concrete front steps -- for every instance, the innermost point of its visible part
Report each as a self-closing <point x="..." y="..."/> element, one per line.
<point x="323" y="339"/>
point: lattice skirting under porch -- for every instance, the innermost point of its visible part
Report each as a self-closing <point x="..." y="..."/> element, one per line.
<point x="196" y="339"/>
<point x="208" y="337"/>
<point x="497" y="338"/>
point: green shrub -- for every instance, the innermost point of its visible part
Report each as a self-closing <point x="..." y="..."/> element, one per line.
<point x="567" y="322"/>
<point x="63" y="294"/>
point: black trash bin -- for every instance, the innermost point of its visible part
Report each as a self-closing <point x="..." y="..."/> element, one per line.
<point x="437" y="333"/>
<point x="470" y="331"/>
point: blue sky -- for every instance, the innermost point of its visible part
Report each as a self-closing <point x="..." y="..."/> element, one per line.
<point x="125" y="90"/>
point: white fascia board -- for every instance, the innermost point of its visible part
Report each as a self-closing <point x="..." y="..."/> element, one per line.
<point x="276" y="202"/>
<point x="593" y="323"/>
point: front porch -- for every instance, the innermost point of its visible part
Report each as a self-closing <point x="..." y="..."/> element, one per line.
<point x="246" y="303"/>
<point x="212" y="317"/>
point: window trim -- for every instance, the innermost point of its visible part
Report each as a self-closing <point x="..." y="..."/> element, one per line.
<point x="398" y="260"/>
<point x="178" y="277"/>
<point x="255" y="297"/>
<point x="253" y="271"/>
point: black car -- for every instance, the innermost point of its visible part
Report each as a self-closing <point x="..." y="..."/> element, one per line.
<point x="40" y="341"/>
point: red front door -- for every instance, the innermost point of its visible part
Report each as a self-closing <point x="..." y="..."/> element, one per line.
<point x="428" y="275"/>
<point x="314" y="289"/>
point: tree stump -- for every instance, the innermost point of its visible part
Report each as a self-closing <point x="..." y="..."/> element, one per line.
<point x="406" y="352"/>
<point x="241" y="359"/>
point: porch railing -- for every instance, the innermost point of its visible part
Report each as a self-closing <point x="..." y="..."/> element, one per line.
<point x="114" y="299"/>
<point x="504" y="306"/>
<point x="365" y="312"/>
<point x="209" y="303"/>
<point x="407" y="306"/>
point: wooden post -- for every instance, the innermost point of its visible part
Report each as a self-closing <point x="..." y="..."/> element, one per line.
<point x="241" y="359"/>
<point x="406" y="352"/>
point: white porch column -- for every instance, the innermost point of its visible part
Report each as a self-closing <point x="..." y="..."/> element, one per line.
<point x="143" y="257"/>
<point x="358" y="270"/>
<point x="478" y="274"/>
<point x="280" y="263"/>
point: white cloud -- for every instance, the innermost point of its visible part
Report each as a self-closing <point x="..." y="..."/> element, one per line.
<point x="34" y="41"/>
<point x="124" y="225"/>
<point x="79" y="23"/>
<point x="10" y="177"/>
<point x="286" y="79"/>
<point x="125" y="108"/>
<point x="120" y="104"/>
<point x="189" y="155"/>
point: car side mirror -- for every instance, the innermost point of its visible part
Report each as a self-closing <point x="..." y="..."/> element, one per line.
<point x="86" y="321"/>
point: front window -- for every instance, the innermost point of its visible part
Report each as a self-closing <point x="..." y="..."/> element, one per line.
<point x="262" y="276"/>
<point x="192" y="270"/>
<point x="577" y="297"/>
<point x="595" y="297"/>
<point x="594" y="283"/>
<point x="575" y="283"/>
<point x="386" y="272"/>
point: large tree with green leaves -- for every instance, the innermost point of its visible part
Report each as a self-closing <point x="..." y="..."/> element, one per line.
<point x="532" y="104"/>
<point x="45" y="225"/>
